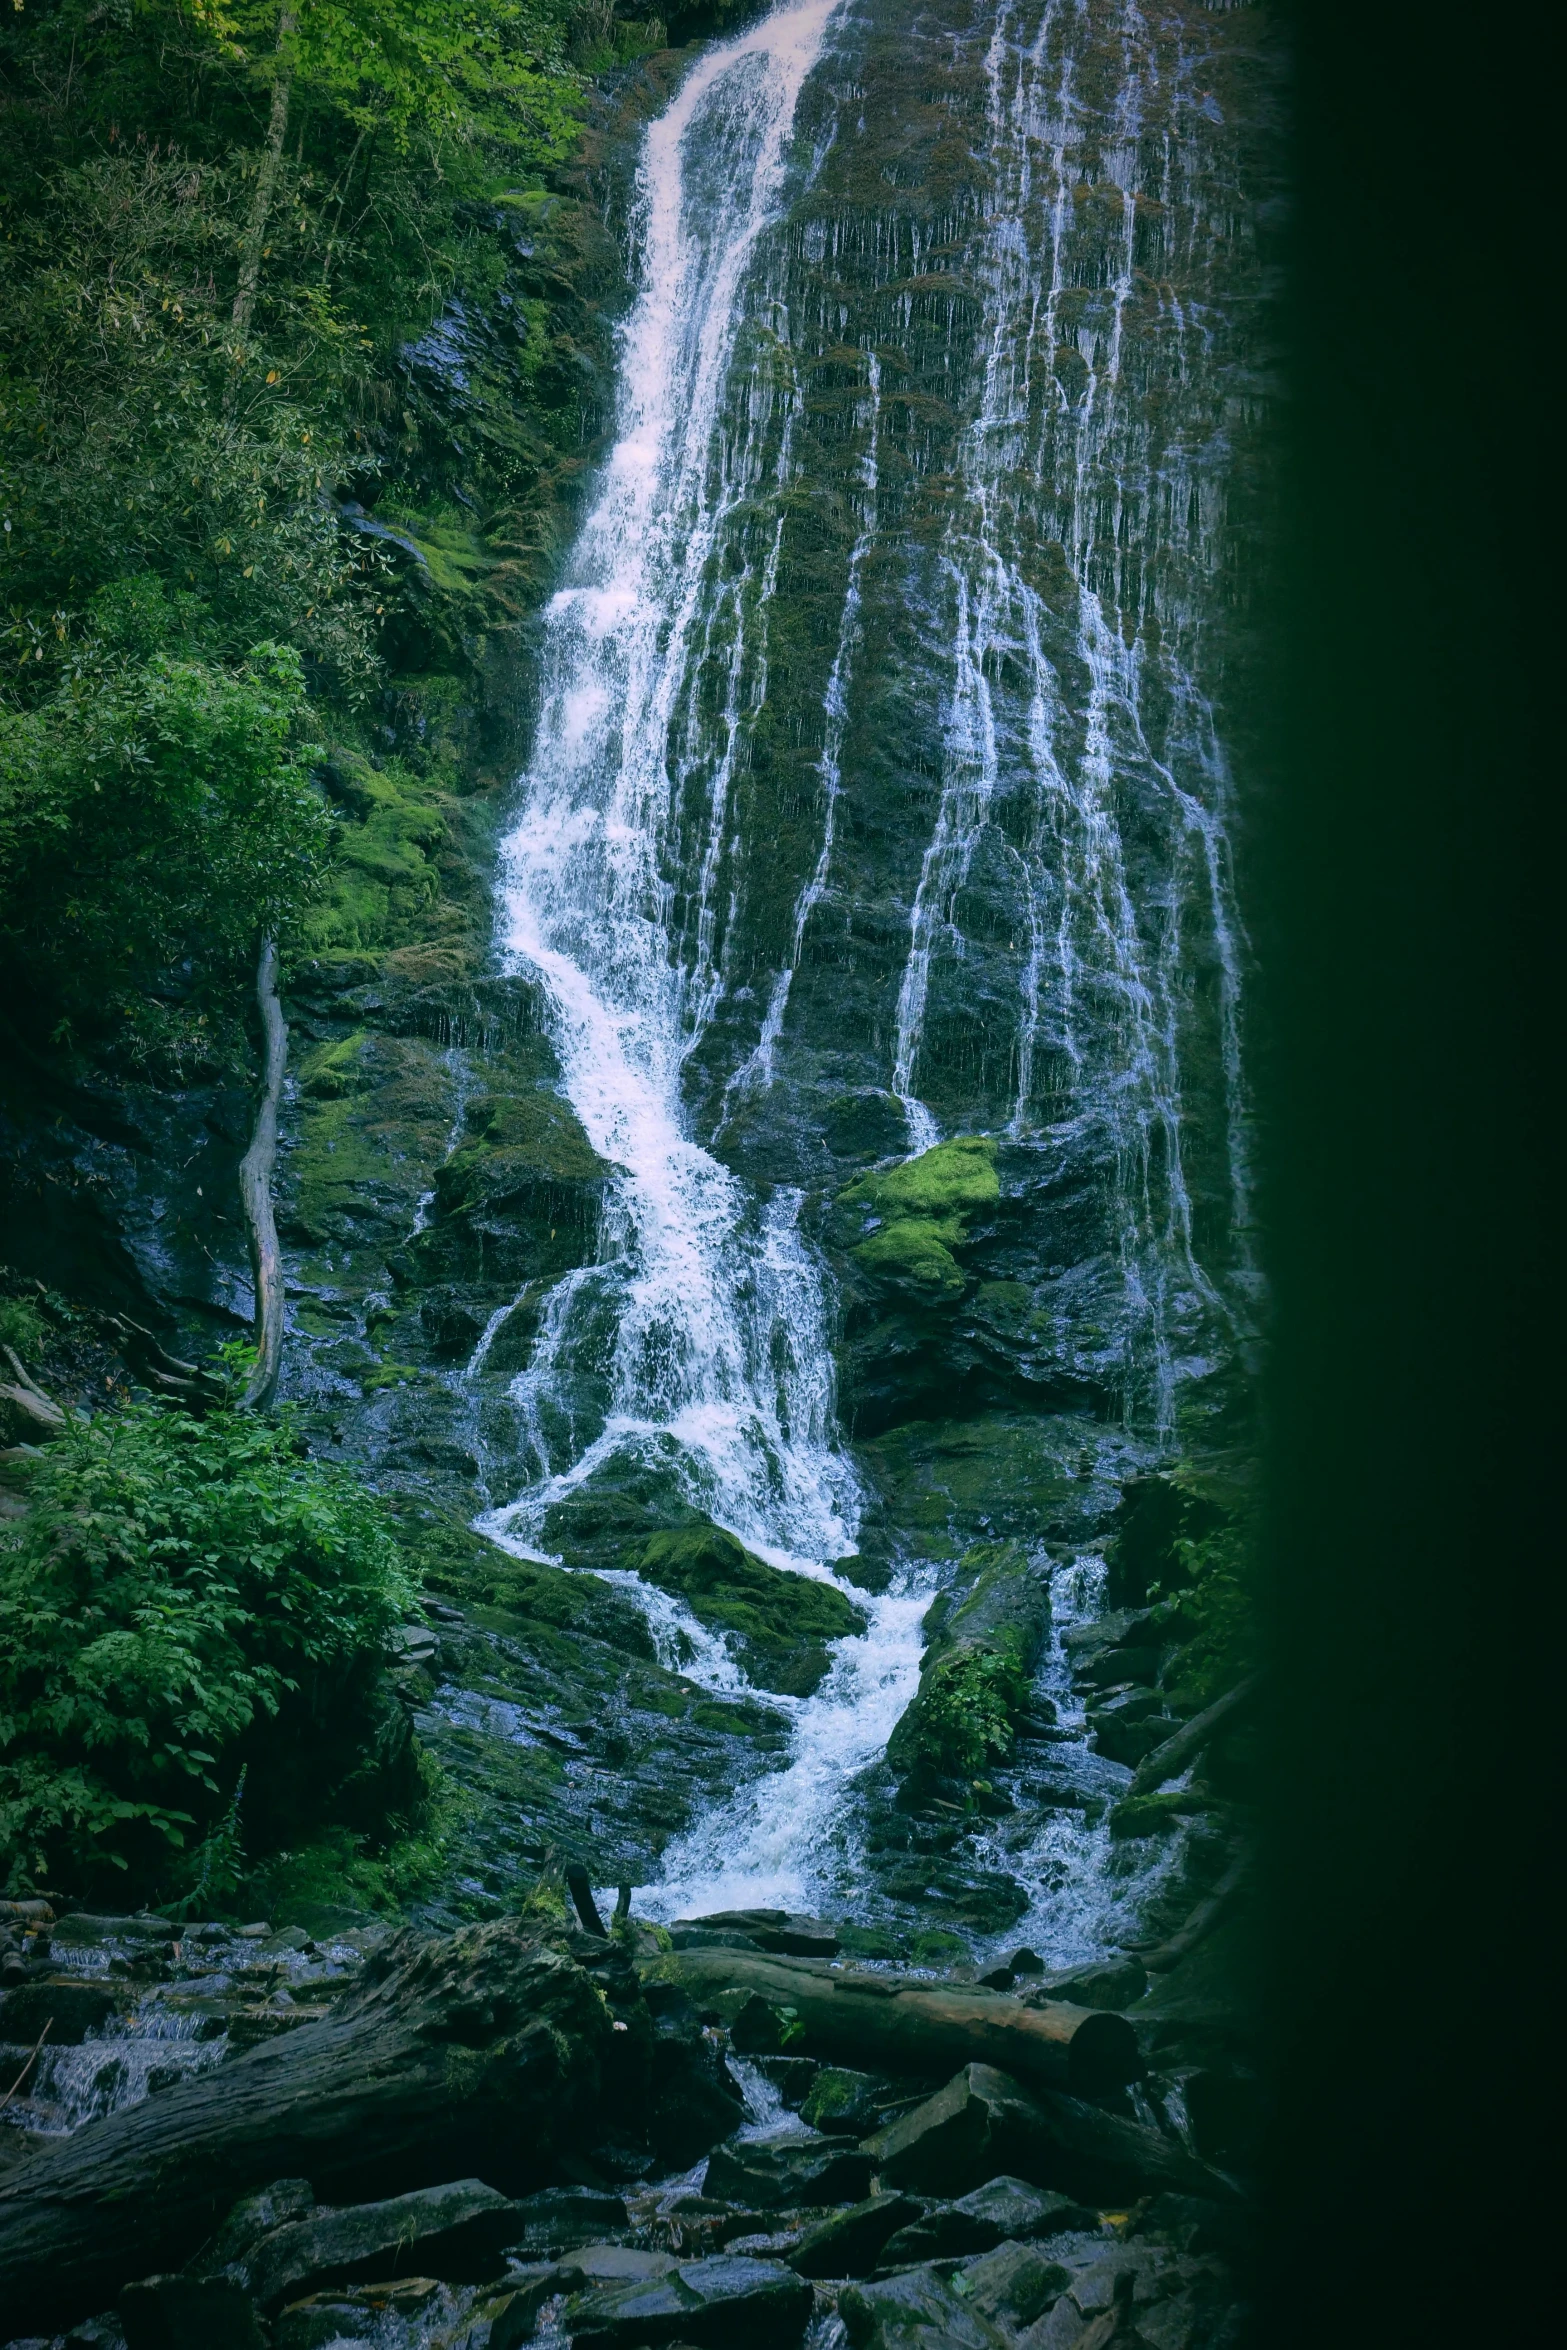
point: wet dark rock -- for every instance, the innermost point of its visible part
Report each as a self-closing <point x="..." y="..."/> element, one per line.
<point x="712" y="2304"/>
<point x="767" y="2177"/>
<point x="1130" y="1726"/>
<point x="692" y="2099"/>
<point x="844" y="2104"/>
<point x="558" y="2219"/>
<point x="916" y="2311"/>
<point x="780" y="1623"/>
<point x="850" y="2243"/>
<point x="791" y="2076"/>
<point x="591" y="2265"/>
<point x="977" y="2222"/>
<point x="253" y="2217"/>
<point x="984" y="1637"/>
<point x="1013" y="2285"/>
<point x="767" y="1929"/>
<point x="69" y="2007"/>
<point x="360" y="2314"/>
<point x="97" y="2333"/>
<point x="189" y="2313"/>
<point x="455" y="2232"/>
<point x="492" y="2045"/>
<point x="969" y="2132"/>
<point x="1141" y="2297"/>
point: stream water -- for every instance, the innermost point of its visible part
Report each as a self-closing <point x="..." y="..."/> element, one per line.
<point x="1070" y="901"/>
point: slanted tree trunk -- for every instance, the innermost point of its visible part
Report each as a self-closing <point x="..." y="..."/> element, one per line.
<point x="266" y="181"/>
<point x="255" y="1189"/>
<point x="1168" y="1760"/>
<point x="478" y="2055"/>
<point x="895" y="2025"/>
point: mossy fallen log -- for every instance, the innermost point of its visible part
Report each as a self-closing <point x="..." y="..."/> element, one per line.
<point x="491" y="2052"/>
<point x="895" y="2024"/>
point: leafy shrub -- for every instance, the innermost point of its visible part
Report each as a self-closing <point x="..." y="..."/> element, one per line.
<point x="1217" y="1597"/>
<point x="21" y="1325"/>
<point x="961" y="1721"/>
<point x="174" y="1583"/>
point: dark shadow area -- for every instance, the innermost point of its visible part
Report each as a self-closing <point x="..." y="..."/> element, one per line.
<point x="1412" y="866"/>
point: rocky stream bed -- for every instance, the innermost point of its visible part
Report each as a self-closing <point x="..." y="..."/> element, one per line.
<point x="526" y="2133"/>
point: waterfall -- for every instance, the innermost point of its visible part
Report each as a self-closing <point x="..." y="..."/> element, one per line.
<point x="706" y="851"/>
<point x="718" y="1372"/>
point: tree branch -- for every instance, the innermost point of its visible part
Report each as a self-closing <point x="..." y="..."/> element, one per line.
<point x="255" y="1190"/>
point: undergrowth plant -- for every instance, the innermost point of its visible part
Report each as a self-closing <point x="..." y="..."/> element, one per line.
<point x="175" y="1582"/>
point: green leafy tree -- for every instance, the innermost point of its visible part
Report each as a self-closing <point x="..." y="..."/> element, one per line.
<point x="157" y="810"/>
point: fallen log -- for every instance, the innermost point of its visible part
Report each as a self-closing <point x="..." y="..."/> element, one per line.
<point x="484" y="2053"/>
<point x="1189" y="1741"/>
<point x="984" y="2125"/>
<point x="892" y="2023"/>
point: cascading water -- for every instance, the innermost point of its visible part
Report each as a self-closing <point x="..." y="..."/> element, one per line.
<point x="975" y="433"/>
<point x="718" y="1363"/>
<point x="719" y="1367"/>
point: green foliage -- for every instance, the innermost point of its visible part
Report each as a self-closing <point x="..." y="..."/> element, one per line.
<point x="173" y="1583"/>
<point x="343" y="1868"/>
<point x="153" y="811"/>
<point x="1217" y="1595"/>
<point x="21" y="1325"/>
<point x="961" y="1721"/>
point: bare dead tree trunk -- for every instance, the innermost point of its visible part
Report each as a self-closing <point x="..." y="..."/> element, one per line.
<point x="266" y="183"/>
<point x="255" y="1190"/>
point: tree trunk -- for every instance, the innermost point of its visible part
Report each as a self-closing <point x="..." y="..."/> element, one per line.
<point x="1168" y="1760"/>
<point x="478" y="2055"/>
<point x="890" y="2024"/>
<point x="266" y="182"/>
<point x="255" y="1190"/>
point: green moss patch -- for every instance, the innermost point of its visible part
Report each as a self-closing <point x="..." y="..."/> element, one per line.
<point x="782" y="1622"/>
<point x="912" y="1218"/>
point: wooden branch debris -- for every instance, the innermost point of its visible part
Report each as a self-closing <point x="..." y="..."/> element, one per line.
<point x="896" y="2023"/>
<point x="1208" y="1914"/>
<point x="480" y="2052"/>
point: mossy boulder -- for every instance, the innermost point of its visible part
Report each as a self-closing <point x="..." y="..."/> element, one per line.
<point x="910" y="1219"/>
<point x="781" y="1623"/>
<point x="985" y="1640"/>
<point x="518" y="1201"/>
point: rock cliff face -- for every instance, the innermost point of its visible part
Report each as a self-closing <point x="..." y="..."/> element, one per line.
<point x="938" y="903"/>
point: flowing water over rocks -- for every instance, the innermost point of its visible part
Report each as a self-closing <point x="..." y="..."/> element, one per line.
<point x="880" y="796"/>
